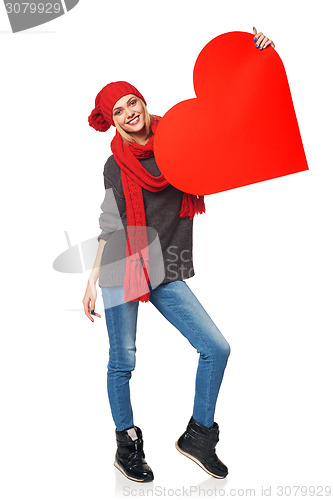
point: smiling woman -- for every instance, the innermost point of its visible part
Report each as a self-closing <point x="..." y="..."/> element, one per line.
<point x="132" y="176"/>
<point x="131" y="270"/>
<point x="138" y="198"/>
<point x="132" y="119"/>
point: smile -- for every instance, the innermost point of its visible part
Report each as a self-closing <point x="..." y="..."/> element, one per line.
<point x="134" y="121"/>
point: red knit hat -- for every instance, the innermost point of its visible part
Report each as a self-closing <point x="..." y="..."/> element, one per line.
<point x="101" y="117"/>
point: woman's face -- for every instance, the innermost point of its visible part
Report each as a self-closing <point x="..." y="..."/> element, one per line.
<point x="129" y="113"/>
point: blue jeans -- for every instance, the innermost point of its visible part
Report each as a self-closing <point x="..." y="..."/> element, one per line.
<point x="181" y="308"/>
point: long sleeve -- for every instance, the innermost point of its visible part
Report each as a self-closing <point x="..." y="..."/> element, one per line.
<point x="169" y="235"/>
<point x="113" y="207"/>
<point x="109" y="219"/>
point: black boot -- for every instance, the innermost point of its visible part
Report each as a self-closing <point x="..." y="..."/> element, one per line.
<point x="198" y="443"/>
<point x="130" y="457"/>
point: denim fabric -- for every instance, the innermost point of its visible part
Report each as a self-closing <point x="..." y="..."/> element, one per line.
<point x="181" y="308"/>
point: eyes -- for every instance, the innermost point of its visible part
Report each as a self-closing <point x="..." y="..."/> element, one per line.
<point x="131" y="103"/>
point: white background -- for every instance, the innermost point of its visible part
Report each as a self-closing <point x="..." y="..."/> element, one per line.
<point x="267" y="284"/>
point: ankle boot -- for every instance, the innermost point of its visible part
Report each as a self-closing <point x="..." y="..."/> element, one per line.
<point x="198" y="443"/>
<point x="130" y="457"/>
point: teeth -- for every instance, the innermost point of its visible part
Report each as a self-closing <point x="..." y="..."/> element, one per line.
<point x="134" y="119"/>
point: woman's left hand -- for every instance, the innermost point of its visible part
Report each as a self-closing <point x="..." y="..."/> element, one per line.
<point x="261" y="40"/>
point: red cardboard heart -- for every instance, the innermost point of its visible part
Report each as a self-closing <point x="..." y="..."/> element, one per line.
<point x="241" y="128"/>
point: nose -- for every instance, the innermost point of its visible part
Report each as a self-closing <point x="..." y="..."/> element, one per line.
<point x="129" y="113"/>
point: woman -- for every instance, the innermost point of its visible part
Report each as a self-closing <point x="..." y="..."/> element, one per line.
<point x="145" y="254"/>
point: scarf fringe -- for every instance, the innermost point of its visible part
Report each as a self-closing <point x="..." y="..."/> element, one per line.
<point x="143" y="298"/>
<point x="134" y="178"/>
<point x="136" y="281"/>
<point x="191" y="205"/>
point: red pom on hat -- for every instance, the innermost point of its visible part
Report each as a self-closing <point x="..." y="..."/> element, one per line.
<point x="101" y="117"/>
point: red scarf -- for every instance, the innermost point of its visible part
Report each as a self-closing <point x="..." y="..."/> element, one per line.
<point x="135" y="177"/>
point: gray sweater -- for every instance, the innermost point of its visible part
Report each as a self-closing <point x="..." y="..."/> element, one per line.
<point x="170" y="237"/>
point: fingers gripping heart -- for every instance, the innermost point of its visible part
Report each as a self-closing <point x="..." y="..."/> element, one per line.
<point x="241" y="128"/>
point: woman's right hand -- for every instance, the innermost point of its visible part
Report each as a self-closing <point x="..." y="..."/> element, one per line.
<point x="89" y="300"/>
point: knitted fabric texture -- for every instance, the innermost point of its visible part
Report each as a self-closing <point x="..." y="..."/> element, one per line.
<point x="135" y="177"/>
<point x="101" y="117"/>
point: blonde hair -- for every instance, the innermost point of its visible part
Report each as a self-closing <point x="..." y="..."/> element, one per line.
<point x="128" y="137"/>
